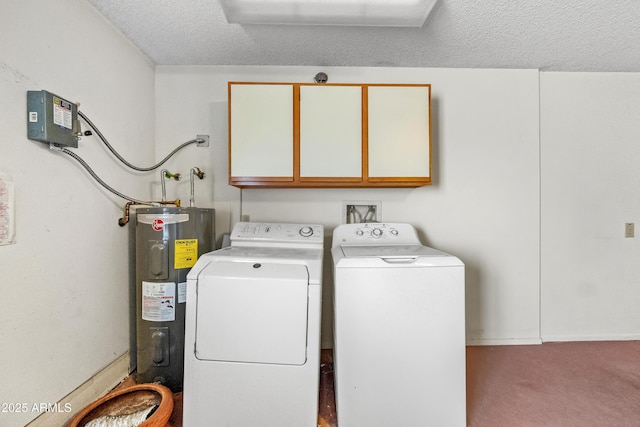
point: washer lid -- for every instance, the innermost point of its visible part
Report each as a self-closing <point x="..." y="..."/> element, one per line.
<point x="397" y="256"/>
<point x="390" y="251"/>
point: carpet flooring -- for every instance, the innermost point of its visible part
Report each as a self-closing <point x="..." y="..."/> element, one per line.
<point x="581" y="384"/>
<point x="577" y="384"/>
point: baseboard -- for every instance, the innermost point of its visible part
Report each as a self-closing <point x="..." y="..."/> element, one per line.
<point x="92" y="389"/>
<point x="573" y="338"/>
<point x="504" y="341"/>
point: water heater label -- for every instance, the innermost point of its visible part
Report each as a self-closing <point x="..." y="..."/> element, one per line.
<point x="182" y="292"/>
<point x="185" y="253"/>
<point x="158" y="301"/>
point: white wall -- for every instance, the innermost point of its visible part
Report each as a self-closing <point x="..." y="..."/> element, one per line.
<point x="64" y="283"/>
<point x="482" y="207"/>
<point x="590" y="151"/>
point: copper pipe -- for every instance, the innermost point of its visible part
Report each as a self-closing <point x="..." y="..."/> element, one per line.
<point x="127" y="207"/>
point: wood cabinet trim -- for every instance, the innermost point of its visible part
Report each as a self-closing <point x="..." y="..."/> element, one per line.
<point x="296" y="133"/>
<point x="330" y="179"/>
<point x="365" y="133"/>
<point x="262" y="178"/>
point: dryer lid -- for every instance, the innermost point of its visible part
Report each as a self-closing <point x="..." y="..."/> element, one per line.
<point x="252" y="312"/>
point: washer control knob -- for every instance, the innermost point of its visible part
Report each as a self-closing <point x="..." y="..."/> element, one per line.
<point x="306" y="231"/>
<point x="376" y="232"/>
<point x="359" y="232"/>
<point x="394" y="232"/>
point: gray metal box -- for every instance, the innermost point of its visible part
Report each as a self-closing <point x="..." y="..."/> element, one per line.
<point x="51" y="119"/>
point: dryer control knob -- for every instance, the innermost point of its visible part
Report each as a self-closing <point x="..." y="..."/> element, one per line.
<point x="306" y="231"/>
<point x="376" y="232"/>
<point x="359" y="232"/>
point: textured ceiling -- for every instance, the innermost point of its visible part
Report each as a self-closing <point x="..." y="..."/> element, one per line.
<point x="552" y="35"/>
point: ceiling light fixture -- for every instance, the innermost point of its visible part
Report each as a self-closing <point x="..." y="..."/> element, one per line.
<point x="389" y="13"/>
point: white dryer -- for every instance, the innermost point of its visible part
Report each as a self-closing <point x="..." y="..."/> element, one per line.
<point x="399" y="329"/>
<point x="252" y="329"/>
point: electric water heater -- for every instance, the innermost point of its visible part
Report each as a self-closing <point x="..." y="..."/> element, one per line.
<point x="169" y="240"/>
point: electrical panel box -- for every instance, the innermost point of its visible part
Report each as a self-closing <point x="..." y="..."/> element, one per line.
<point x="52" y="119"/>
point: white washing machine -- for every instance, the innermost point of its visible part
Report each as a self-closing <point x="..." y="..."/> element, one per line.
<point x="252" y="329"/>
<point x="399" y="329"/>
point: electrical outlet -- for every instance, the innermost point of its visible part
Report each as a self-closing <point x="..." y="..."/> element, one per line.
<point x="203" y="140"/>
<point x="629" y="229"/>
<point x="361" y="211"/>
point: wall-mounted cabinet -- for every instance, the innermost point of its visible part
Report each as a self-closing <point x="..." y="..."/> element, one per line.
<point x="329" y="135"/>
<point x="261" y="122"/>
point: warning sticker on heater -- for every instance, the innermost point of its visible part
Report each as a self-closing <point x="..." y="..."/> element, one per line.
<point x="185" y="253"/>
<point x="159" y="301"/>
<point x="182" y="292"/>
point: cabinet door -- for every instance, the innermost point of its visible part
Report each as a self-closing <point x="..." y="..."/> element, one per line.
<point x="399" y="137"/>
<point x="261" y="131"/>
<point x="331" y="132"/>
